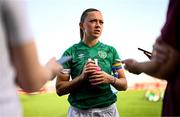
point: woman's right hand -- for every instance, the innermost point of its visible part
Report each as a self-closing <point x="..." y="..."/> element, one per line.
<point x="89" y="68"/>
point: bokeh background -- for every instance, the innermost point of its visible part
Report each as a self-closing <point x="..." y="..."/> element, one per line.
<point x="128" y="24"/>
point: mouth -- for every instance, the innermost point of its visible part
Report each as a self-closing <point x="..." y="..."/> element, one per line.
<point x="97" y="31"/>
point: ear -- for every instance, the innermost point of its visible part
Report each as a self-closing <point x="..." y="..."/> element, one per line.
<point x="81" y="26"/>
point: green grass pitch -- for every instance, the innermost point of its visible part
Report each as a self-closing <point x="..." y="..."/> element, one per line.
<point x="131" y="103"/>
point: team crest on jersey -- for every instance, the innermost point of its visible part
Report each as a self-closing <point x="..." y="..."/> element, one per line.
<point x="102" y="54"/>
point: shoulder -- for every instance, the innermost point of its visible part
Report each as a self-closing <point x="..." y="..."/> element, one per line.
<point x="108" y="46"/>
<point x="72" y="48"/>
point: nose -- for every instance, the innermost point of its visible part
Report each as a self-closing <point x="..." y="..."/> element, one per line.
<point x="98" y="24"/>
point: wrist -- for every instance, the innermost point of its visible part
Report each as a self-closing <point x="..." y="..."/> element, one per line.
<point x="81" y="77"/>
<point x="113" y="80"/>
<point x="50" y="73"/>
<point x="137" y="67"/>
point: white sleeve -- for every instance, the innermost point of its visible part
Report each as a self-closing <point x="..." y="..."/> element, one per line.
<point x="16" y="23"/>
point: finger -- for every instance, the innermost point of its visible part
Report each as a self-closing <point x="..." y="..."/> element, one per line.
<point x="96" y="73"/>
<point x="125" y="67"/>
<point x="96" y="81"/>
<point x="125" y="61"/>
<point x="53" y="59"/>
<point x="95" y="76"/>
<point x="89" y="71"/>
<point x="91" y="63"/>
<point x="91" y="67"/>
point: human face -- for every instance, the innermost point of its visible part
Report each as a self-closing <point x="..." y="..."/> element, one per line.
<point x="93" y="25"/>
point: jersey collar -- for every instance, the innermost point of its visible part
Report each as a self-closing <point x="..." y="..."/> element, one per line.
<point x="96" y="45"/>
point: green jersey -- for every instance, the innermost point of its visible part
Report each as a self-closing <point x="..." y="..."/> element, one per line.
<point x="86" y="96"/>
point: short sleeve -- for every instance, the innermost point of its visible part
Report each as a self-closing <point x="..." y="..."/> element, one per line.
<point x="68" y="52"/>
<point x="115" y="53"/>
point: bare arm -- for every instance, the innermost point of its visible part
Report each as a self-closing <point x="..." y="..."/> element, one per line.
<point x="65" y="86"/>
<point x="149" y="67"/>
<point x="169" y="59"/>
<point x="120" y="83"/>
<point x="164" y="62"/>
<point x="31" y="74"/>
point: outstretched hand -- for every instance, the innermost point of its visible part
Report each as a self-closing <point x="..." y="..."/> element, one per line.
<point x="54" y="67"/>
<point x="130" y="65"/>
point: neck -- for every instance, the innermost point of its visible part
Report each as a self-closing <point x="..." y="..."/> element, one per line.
<point x="90" y="42"/>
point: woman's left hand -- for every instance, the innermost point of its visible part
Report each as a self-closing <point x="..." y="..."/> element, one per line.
<point x="99" y="77"/>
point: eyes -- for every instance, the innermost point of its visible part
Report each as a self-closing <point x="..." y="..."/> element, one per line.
<point x="97" y="21"/>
